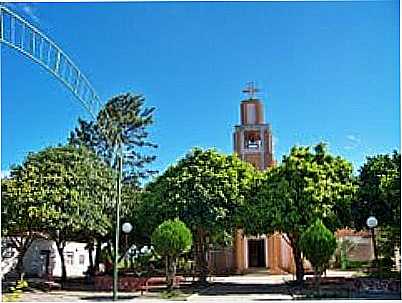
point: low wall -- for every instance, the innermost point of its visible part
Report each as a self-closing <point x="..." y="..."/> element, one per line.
<point x="104" y="283"/>
<point x="130" y="283"/>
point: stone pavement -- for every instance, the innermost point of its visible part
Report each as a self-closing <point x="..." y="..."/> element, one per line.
<point x="248" y="288"/>
<point x="59" y="296"/>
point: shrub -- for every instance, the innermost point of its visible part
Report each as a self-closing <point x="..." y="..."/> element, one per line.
<point x="318" y="244"/>
<point x="170" y="239"/>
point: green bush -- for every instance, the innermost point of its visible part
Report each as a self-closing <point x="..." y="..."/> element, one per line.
<point x="105" y="255"/>
<point x="341" y="254"/>
<point x="170" y="239"/>
<point x="145" y="263"/>
<point x="357" y="264"/>
<point x="318" y="244"/>
<point x="383" y="264"/>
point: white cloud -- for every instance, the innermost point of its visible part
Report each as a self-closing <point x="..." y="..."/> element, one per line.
<point x="29" y="11"/>
<point x="353" y="138"/>
<point x="26" y="8"/>
<point x="353" y="142"/>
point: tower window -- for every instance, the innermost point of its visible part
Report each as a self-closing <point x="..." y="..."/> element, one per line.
<point x="252" y="140"/>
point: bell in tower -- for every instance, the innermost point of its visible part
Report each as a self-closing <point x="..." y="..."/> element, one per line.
<point x="253" y="137"/>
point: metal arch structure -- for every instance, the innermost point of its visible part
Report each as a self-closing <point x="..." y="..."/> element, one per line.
<point x="19" y="34"/>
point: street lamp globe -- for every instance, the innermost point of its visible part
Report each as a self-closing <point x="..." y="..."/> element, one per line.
<point x="371" y="222"/>
<point x="127" y="227"/>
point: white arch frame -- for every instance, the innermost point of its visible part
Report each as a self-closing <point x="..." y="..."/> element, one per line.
<point x="30" y="41"/>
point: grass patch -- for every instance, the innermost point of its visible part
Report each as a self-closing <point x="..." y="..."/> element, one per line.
<point x="173" y="295"/>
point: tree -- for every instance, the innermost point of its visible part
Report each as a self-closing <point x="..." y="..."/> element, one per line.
<point x="120" y="129"/>
<point x="203" y="190"/>
<point x="18" y="227"/>
<point x="123" y="122"/>
<point x="291" y="196"/>
<point x="64" y="188"/>
<point x="318" y="244"/>
<point x="171" y="239"/>
<point x="379" y="195"/>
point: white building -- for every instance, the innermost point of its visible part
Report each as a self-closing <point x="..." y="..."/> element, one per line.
<point x="42" y="258"/>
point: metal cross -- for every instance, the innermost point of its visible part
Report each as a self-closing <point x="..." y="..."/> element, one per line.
<point x="251" y="90"/>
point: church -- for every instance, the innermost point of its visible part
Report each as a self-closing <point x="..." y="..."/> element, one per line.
<point x="252" y="142"/>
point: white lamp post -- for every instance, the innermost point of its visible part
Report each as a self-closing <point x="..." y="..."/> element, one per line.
<point x="127" y="228"/>
<point x="372" y="222"/>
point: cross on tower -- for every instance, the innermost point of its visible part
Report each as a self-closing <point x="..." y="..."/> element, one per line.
<point x="251" y="90"/>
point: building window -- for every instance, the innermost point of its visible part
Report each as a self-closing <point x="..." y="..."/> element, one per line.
<point x="82" y="260"/>
<point x="69" y="258"/>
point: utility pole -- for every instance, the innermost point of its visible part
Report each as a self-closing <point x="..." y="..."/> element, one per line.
<point x="116" y="249"/>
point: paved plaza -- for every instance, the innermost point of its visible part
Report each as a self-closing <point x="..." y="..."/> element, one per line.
<point x="247" y="288"/>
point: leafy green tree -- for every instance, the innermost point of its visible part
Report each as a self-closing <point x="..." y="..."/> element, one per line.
<point x="19" y="228"/>
<point x="318" y="244"/>
<point x="170" y="240"/>
<point x="64" y="187"/>
<point x="379" y="195"/>
<point x="203" y="190"/>
<point x="291" y="196"/>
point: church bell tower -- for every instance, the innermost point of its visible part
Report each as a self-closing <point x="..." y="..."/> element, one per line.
<point x="253" y="137"/>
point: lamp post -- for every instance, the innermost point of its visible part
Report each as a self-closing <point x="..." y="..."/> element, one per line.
<point x="127" y="228"/>
<point x="116" y="248"/>
<point x="372" y="222"/>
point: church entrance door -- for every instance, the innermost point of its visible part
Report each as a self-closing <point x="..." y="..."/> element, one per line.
<point x="256" y="253"/>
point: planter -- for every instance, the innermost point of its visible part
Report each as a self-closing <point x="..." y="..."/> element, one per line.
<point x="105" y="283"/>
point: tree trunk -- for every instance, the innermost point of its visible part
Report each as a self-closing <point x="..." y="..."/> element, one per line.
<point x="18" y="244"/>
<point x="91" y="270"/>
<point x="98" y="251"/>
<point x="297" y="257"/>
<point x="316" y="275"/>
<point x="20" y="263"/>
<point x="21" y="245"/>
<point x="60" y="249"/>
<point x="201" y="253"/>
<point x="171" y="272"/>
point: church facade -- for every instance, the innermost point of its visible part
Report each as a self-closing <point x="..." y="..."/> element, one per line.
<point x="252" y="142"/>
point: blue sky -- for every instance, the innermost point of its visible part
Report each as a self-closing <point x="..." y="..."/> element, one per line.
<point x="328" y="71"/>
